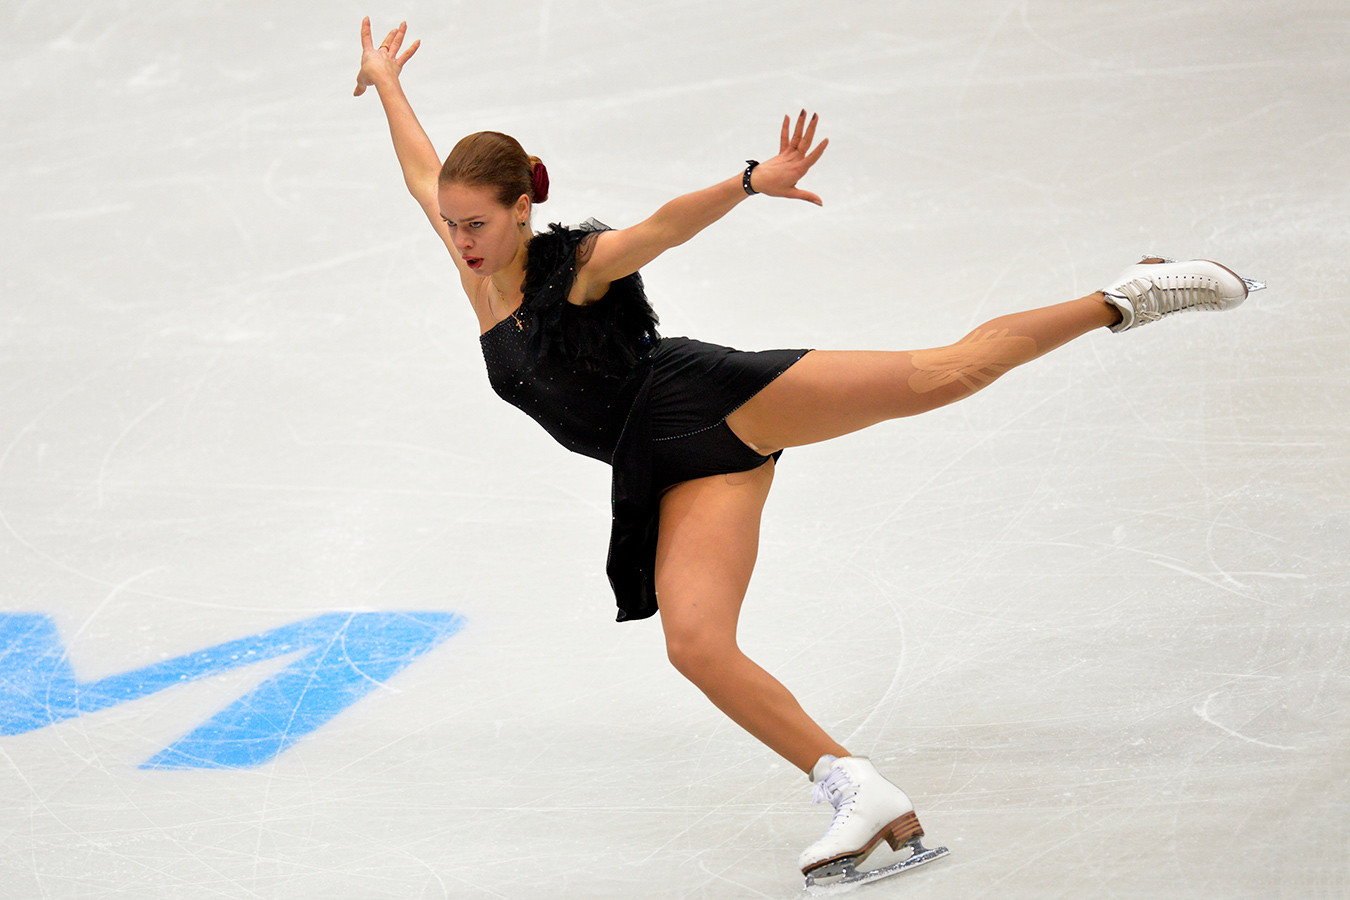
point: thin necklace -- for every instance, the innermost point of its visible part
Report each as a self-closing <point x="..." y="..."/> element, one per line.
<point x="515" y="314"/>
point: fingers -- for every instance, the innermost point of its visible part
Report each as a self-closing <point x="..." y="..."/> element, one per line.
<point x="799" y="194"/>
<point x="815" y="154"/>
<point x="796" y="156"/>
<point x="797" y="133"/>
<point x="389" y="49"/>
<point x="801" y="137"/>
<point x="394" y="39"/>
<point x="409" y="55"/>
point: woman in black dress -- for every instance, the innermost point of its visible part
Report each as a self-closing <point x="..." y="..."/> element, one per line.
<point x="692" y="429"/>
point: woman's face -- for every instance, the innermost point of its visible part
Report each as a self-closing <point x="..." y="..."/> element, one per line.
<point x="486" y="234"/>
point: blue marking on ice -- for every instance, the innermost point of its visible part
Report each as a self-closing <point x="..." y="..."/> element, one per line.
<point x="343" y="656"/>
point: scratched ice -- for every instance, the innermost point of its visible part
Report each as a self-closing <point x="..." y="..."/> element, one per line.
<point x="341" y="657"/>
<point x="1094" y="619"/>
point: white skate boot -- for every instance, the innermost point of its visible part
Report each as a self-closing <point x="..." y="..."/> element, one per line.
<point x="1158" y="287"/>
<point x="867" y="810"/>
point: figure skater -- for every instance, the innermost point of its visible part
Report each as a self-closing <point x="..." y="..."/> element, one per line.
<point x="692" y="429"/>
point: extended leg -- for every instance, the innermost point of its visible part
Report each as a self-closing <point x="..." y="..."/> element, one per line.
<point x="706" y="549"/>
<point x="831" y="393"/>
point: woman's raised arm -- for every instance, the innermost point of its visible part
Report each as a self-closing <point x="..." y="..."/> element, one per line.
<point x="380" y="69"/>
<point x="620" y="253"/>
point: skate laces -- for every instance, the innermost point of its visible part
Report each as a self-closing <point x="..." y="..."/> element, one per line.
<point x="1159" y="295"/>
<point x="839" y="791"/>
<point x="831" y="788"/>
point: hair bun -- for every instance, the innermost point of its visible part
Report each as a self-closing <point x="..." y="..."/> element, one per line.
<point x="539" y="175"/>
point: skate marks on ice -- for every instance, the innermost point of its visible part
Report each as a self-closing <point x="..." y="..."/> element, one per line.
<point x="844" y="876"/>
<point x="1058" y="558"/>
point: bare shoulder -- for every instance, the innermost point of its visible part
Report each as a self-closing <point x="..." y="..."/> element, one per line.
<point x="599" y="263"/>
<point x="618" y="253"/>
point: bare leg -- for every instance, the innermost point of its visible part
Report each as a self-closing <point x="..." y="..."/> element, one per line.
<point x="709" y="528"/>
<point x="706" y="550"/>
<point x="830" y="393"/>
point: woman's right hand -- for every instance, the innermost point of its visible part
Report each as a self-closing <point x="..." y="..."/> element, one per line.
<point x="382" y="62"/>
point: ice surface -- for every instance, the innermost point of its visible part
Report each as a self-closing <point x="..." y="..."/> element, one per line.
<point x="1094" y="619"/>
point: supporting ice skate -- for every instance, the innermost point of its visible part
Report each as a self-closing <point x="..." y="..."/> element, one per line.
<point x="1158" y="287"/>
<point x="868" y="810"/>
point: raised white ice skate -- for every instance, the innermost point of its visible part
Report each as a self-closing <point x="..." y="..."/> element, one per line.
<point x="1159" y="287"/>
<point x="868" y="809"/>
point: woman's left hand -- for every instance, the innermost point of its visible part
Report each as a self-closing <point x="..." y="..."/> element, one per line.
<point x="778" y="177"/>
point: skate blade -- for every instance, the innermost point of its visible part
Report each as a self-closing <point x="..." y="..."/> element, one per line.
<point x="846" y="877"/>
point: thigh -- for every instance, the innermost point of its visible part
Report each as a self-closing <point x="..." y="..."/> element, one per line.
<point x="829" y="393"/>
<point x="706" y="547"/>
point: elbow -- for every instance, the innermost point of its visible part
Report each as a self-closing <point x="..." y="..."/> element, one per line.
<point x="424" y="187"/>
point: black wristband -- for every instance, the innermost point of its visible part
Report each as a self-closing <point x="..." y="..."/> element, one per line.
<point x="745" y="179"/>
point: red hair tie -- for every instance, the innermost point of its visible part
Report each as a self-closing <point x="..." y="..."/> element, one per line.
<point x="540" y="178"/>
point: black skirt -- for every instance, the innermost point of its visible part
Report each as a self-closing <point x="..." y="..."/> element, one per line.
<point x="675" y="431"/>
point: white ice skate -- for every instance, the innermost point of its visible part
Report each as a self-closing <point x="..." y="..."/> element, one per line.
<point x="1158" y="287"/>
<point x="868" y="809"/>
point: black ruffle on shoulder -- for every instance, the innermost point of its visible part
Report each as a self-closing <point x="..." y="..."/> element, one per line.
<point x="608" y="336"/>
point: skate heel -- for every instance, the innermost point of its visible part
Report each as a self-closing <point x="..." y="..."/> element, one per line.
<point x="865" y="814"/>
<point x="902" y="831"/>
<point x="842" y="873"/>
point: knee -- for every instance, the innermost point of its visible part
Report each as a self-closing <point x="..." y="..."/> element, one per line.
<point x="699" y="654"/>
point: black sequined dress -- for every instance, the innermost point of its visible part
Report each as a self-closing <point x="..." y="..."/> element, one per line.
<point x="603" y="383"/>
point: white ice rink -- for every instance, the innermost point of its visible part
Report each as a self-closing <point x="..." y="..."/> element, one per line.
<point x="1094" y="620"/>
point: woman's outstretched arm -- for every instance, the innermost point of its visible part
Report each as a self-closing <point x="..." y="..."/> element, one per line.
<point x="380" y="69"/>
<point x="620" y="253"/>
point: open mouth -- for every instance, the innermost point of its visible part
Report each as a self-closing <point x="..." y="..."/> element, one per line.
<point x="473" y="262"/>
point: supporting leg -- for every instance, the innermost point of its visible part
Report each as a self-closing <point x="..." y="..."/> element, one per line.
<point x="706" y="550"/>
<point x="831" y="393"/>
